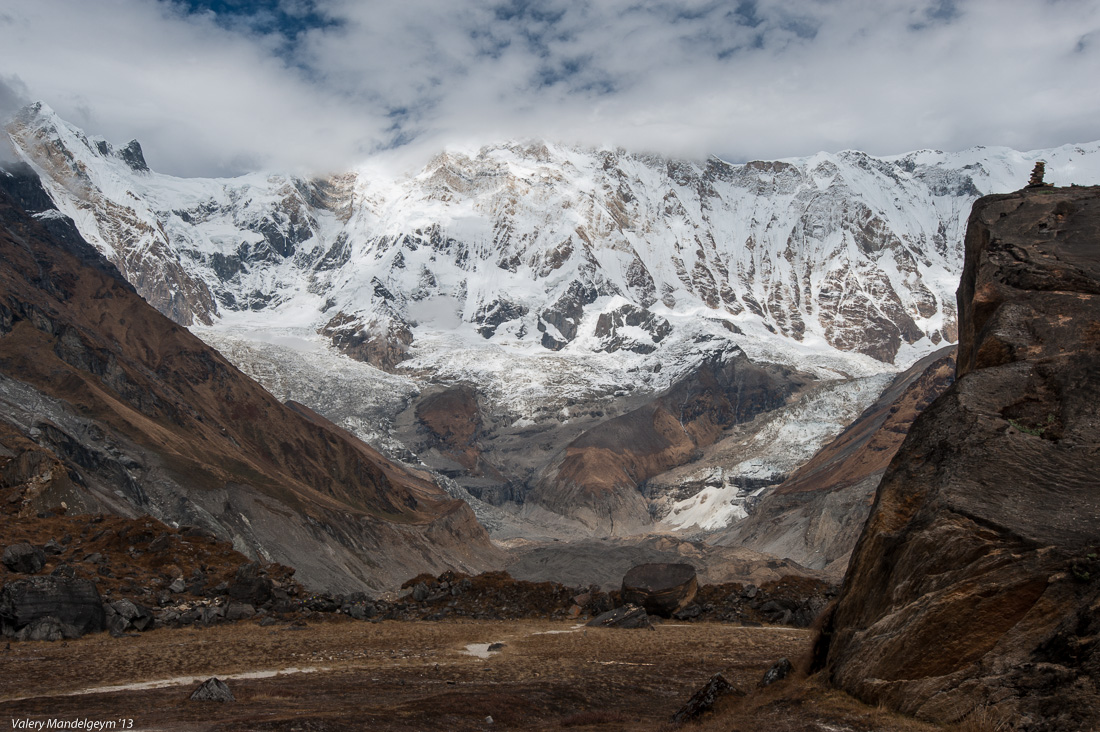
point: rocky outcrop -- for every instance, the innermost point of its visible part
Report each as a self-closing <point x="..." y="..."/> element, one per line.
<point x="976" y="582"/>
<point x="780" y="670"/>
<point x="381" y="343"/>
<point x="662" y="589"/>
<point x="816" y="515"/>
<point x="142" y="417"/>
<point x="631" y="328"/>
<point x="452" y="420"/>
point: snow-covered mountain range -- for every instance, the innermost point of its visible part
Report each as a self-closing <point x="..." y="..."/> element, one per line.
<point x="551" y="277"/>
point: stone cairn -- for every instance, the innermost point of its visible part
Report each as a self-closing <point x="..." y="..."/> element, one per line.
<point x="1037" y="174"/>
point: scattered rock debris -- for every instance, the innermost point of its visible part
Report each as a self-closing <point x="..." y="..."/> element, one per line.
<point x="133" y="575"/>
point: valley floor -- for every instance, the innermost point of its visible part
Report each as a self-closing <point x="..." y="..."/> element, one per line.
<point x="347" y="675"/>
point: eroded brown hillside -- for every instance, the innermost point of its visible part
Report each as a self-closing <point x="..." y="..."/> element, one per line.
<point x="110" y="406"/>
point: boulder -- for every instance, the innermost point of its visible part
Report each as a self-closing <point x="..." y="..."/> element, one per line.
<point x="239" y="611"/>
<point x="780" y="670"/>
<point x="690" y="612"/>
<point x="251" y="585"/>
<point x="213" y="689"/>
<point x="323" y="602"/>
<point x="776" y="612"/>
<point x="662" y="589"/>
<point x="976" y="581"/>
<point x="210" y="614"/>
<point x="361" y="611"/>
<point x="122" y="615"/>
<point x="48" y="628"/>
<point x="627" y="616"/>
<point x="703" y="700"/>
<point x="75" y="602"/>
<point x="163" y="543"/>
<point x="24" y="558"/>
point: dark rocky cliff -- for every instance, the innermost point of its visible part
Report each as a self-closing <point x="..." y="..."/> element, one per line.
<point x="976" y="582"/>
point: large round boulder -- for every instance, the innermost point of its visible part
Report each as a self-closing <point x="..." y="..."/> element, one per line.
<point x="662" y="589"/>
<point x="24" y="558"/>
<point x="74" y="602"/>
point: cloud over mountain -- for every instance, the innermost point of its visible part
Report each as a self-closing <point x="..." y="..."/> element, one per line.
<point x="224" y="86"/>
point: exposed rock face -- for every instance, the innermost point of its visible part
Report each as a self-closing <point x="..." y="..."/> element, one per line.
<point x="142" y="417"/>
<point x="631" y="328"/>
<point x="816" y="515"/>
<point x="381" y="343"/>
<point x="662" y="589"/>
<point x="134" y="157"/>
<point x="977" y="579"/>
<point x="596" y="479"/>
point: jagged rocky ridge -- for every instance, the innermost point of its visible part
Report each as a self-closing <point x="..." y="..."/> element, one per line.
<point x="106" y="405"/>
<point x="976" y="582"/>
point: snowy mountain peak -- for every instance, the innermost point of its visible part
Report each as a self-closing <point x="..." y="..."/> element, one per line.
<point x="538" y="248"/>
<point x="40" y="122"/>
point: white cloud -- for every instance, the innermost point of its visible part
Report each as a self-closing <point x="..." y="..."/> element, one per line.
<point x="762" y="79"/>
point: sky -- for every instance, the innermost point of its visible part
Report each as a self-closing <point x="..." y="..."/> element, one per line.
<point x="221" y="87"/>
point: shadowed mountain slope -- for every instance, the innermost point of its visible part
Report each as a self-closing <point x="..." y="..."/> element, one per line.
<point x="124" y="411"/>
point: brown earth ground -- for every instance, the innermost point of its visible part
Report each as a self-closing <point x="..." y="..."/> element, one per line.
<point x="418" y="676"/>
